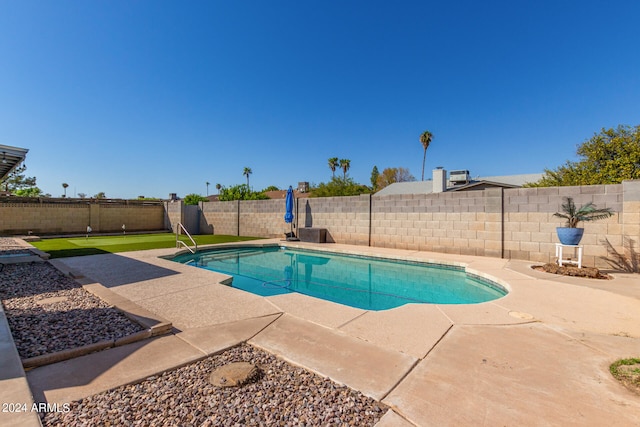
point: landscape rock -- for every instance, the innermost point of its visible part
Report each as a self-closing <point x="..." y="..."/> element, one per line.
<point x="234" y="374"/>
<point x="570" y="270"/>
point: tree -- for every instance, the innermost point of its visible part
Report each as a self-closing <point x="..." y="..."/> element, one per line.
<point x="333" y="165"/>
<point x="65" y="186"/>
<point x="16" y="180"/>
<point x="609" y="157"/>
<point x="425" y="140"/>
<point x="29" y="192"/>
<point x="207" y="187"/>
<point x="339" y="187"/>
<point x="270" y="188"/>
<point x="218" y="187"/>
<point x="240" y="192"/>
<point x="100" y="195"/>
<point x="247" y="172"/>
<point x="374" y="178"/>
<point x="194" y="199"/>
<point x="345" y="164"/>
<point x="584" y="213"/>
<point x="391" y="175"/>
<point x="82" y="195"/>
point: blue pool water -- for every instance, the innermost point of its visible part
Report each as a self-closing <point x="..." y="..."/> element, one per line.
<point x="362" y="282"/>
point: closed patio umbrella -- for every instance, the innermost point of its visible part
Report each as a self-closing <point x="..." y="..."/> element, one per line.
<point x="288" y="216"/>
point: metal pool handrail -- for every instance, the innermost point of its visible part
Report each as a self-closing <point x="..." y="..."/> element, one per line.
<point x="180" y="242"/>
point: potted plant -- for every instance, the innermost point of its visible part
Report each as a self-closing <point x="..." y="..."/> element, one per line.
<point x="571" y="234"/>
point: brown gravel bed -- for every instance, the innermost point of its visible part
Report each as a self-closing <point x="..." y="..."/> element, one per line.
<point x="7" y="243"/>
<point x="49" y="312"/>
<point x="9" y="246"/>
<point x="284" y="395"/>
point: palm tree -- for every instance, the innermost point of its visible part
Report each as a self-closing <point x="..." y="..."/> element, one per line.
<point x="65" y="185"/>
<point x="333" y="165"/>
<point x="247" y="172"/>
<point x="425" y="139"/>
<point x="584" y="213"/>
<point x="208" y="187"/>
<point x="218" y="187"/>
<point x="345" y="164"/>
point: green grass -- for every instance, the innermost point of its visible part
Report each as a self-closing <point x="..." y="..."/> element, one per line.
<point x="80" y="246"/>
<point x="627" y="371"/>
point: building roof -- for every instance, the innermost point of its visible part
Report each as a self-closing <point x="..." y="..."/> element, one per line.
<point x="10" y="158"/>
<point x="426" y="187"/>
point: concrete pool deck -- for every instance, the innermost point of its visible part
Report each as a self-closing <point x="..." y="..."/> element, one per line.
<point x="538" y="356"/>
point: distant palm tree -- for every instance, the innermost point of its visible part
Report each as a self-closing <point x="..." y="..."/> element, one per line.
<point x="425" y="139"/>
<point x="65" y="185"/>
<point x="345" y="164"/>
<point x="218" y="187"/>
<point x="208" y="187"/>
<point x="333" y="165"/>
<point x="247" y="172"/>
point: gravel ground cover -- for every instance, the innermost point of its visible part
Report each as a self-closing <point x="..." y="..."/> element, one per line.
<point x="283" y="395"/>
<point x="49" y="312"/>
<point x="9" y="246"/>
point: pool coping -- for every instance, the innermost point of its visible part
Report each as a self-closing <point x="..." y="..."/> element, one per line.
<point x="487" y="280"/>
<point x="598" y="325"/>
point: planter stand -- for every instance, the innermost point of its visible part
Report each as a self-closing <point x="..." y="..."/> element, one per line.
<point x="559" y="250"/>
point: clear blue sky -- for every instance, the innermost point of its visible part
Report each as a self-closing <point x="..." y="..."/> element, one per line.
<point x="151" y="97"/>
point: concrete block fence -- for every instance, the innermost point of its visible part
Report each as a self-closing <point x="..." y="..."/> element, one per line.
<point x="28" y="216"/>
<point x="507" y="223"/>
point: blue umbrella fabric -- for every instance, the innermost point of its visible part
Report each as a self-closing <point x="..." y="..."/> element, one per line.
<point x="288" y="216"/>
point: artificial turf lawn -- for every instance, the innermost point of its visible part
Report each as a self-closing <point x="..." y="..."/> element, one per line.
<point x="79" y="246"/>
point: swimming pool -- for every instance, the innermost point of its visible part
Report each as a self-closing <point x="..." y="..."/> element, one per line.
<point x="362" y="282"/>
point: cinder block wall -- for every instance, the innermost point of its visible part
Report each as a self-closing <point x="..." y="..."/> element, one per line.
<point x="530" y="226"/>
<point x="345" y="218"/>
<point x="509" y="223"/>
<point x="461" y="223"/>
<point x="135" y="218"/>
<point x="173" y="214"/>
<point x="42" y="218"/>
<point x="219" y="218"/>
<point x="71" y="218"/>
<point x="630" y="222"/>
<point x="263" y="218"/>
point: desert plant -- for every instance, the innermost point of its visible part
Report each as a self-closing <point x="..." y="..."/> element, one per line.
<point x="584" y="213"/>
